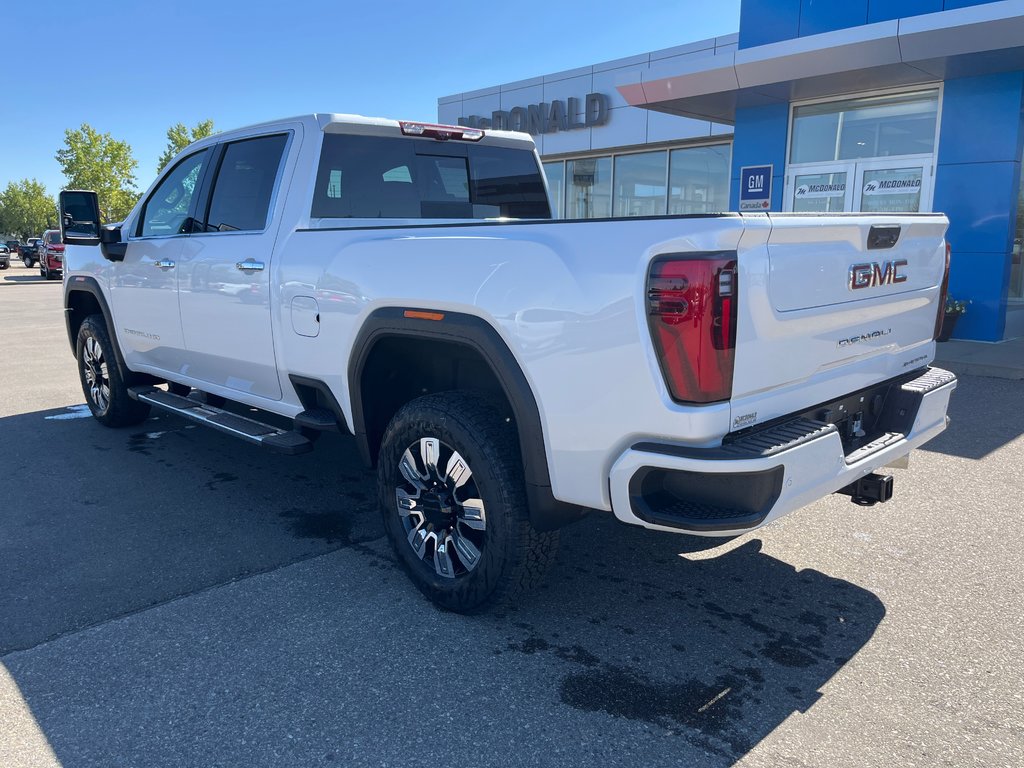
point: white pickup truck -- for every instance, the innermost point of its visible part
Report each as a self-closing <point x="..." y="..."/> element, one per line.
<point x="506" y="372"/>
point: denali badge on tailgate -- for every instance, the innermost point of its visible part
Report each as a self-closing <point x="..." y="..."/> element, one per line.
<point x="870" y="275"/>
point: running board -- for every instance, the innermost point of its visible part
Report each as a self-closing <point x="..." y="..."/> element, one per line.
<point x="252" y="431"/>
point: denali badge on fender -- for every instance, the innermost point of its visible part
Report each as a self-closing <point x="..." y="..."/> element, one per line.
<point x="870" y="275"/>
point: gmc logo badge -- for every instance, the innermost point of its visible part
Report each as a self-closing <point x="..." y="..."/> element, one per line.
<point x="870" y="275"/>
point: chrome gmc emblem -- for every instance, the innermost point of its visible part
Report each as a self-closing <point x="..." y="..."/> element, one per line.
<point x="870" y="275"/>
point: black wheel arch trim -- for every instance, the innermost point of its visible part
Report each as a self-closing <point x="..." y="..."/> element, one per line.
<point x="84" y="284"/>
<point x="546" y="512"/>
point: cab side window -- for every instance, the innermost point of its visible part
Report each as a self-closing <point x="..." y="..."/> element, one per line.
<point x="241" y="195"/>
<point x="166" y="211"/>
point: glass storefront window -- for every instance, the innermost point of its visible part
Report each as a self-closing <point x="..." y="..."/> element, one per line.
<point x="699" y="179"/>
<point x="874" y="126"/>
<point x="589" y="183"/>
<point x="555" y="172"/>
<point x="640" y="184"/>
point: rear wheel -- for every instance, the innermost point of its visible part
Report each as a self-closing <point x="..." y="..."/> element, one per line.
<point x="105" y="390"/>
<point x="454" y="503"/>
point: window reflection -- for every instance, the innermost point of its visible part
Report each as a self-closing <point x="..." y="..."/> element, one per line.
<point x="875" y="126"/>
<point x="640" y="184"/>
<point x="590" y="188"/>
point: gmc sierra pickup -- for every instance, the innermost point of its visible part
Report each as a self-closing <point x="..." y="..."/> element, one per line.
<point x="505" y="372"/>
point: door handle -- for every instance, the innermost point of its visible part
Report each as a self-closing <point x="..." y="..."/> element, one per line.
<point x="163" y="264"/>
<point x="250" y="266"/>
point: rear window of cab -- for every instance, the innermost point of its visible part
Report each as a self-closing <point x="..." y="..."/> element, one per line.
<point x="379" y="177"/>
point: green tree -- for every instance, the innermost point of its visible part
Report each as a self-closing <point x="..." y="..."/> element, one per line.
<point x="26" y="210"/>
<point x="97" y="161"/>
<point x="179" y="137"/>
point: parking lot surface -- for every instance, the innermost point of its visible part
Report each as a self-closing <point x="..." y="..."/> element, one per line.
<point x="170" y="596"/>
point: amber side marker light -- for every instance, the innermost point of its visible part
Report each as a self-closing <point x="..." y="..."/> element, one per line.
<point x="416" y="314"/>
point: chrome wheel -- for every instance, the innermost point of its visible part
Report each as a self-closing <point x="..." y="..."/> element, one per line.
<point x="94" y="368"/>
<point x="441" y="512"/>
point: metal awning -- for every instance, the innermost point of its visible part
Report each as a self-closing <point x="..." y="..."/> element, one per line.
<point x="963" y="42"/>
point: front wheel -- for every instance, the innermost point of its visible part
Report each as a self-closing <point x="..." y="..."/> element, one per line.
<point x="454" y="502"/>
<point x="106" y="392"/>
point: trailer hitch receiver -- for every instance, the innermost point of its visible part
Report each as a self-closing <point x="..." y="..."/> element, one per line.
<point x="869" y="490"/>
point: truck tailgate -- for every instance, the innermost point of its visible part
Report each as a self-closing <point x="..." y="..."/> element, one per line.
<point x="823" y="311"/>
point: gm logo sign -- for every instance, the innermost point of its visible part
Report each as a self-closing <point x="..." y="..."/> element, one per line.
<point x="756" y="187"/>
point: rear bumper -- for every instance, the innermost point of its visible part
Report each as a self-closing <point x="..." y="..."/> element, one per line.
<point x="759" y="478"/>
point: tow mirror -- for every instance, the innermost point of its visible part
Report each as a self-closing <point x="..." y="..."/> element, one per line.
<point x="79" y="217"/>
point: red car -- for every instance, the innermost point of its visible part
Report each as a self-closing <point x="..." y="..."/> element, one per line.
<point x="51" y="255"/>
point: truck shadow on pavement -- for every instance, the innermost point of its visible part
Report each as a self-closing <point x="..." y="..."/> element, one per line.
<point x="985" y="415"/>
<point x="640" y="648"/>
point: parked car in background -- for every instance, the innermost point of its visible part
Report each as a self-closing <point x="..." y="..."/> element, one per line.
<point x="29" y="256"/>
<point x="14" y="247"/>
<point x="51" y="256"/>
<point x="5" y="257"/>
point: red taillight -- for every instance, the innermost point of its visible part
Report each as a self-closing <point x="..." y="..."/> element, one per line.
<point x="691" y="307"/>
<point x="940" y="313"/>
<point x="441" y="132"/>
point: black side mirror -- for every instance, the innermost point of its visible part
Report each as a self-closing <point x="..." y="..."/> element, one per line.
<point x="79" y="217"/>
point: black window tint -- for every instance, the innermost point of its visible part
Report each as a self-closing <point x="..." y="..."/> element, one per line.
<point x="167" y="209"/>
<point x="411" y="179"/>
<point x="244" y="185"/>
<point x="507" y="182"/>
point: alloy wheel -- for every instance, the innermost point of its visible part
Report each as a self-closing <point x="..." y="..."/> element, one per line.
<point x="441" y="512"/>
<point x="94" y="367"/>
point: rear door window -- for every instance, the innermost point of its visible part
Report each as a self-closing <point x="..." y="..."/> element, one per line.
<point x="383" y="177"/>
<point x="240" y="200"/>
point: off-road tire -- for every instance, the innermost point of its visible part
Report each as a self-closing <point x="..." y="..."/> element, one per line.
<point x="514" y="557"/>
<point x="116" y="409"/>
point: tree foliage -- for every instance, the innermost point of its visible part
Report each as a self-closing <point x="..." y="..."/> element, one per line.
<point x="97" y="161"/>
<point x="179" y="137"/>
<point x="26" y="210"/>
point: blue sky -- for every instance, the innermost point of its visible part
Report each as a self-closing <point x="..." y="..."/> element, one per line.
<point x="134" y="68"/>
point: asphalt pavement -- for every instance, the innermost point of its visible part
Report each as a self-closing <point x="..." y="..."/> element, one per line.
<point x="172" y="597"/>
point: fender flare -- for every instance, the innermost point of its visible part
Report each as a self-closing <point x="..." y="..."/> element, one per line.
<point x="84" y="284"/>
<point x="546" y="512"/>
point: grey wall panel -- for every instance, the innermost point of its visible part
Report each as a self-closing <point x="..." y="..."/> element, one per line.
<point x="567" y="141"/>
<point x="521" y="97"/>
<point x="681" y="50"/>
<point x="482" y="105"/>
<point x="606" y="82"/>
<point x="449" y="114"/>
<point x="626" y="126"/>
<point x="662" y="127"/>
<point x="575" y="87"/>
<point x="629" y="61"/>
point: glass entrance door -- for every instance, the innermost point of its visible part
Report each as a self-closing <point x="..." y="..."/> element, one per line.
<point x="886" y="186"/>
<point x="892" y="185"/>
<point x="824" y="189"/>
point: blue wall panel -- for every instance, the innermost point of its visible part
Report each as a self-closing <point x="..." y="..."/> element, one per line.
<point x="759" y="139"/>
<point x="979" y="199"/>
<point x="817" y="16"/>
<point x="884" y="10"/>
<point x="984" y="125"/>
<point x="950" y="4"/>
<point x="768" y="21"/>
<point x="976" y="185"/>
<point x="982" y="278"/>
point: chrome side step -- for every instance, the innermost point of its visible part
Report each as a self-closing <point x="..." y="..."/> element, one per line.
<point x="252" y="431"/>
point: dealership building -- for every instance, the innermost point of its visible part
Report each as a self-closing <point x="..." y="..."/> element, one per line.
<point x="863" y="105"/>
